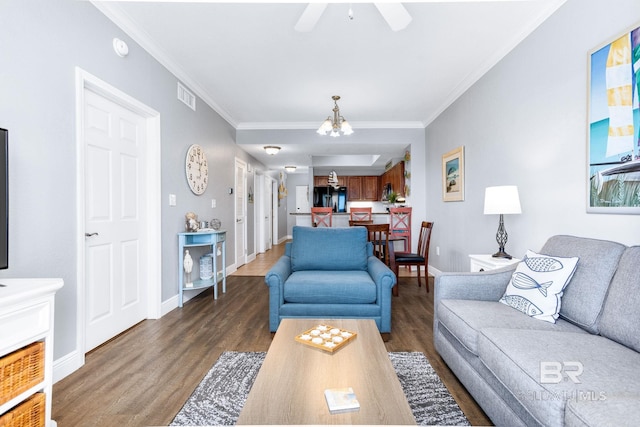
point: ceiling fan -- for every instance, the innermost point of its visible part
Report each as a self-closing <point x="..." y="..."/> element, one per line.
<point x="394" y="13"/>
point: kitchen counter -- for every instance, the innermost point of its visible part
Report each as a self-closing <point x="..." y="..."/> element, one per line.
<point x="340" y="219"/>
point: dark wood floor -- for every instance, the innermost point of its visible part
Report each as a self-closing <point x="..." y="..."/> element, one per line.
<point x="143" y="376"/>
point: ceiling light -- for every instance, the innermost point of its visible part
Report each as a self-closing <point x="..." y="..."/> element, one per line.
<point x="271" y="149"/>
<point x="290" y="169"/>
<point x="338" y="123"/>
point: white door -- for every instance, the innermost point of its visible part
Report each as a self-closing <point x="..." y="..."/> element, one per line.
<point x="302" y="199"/>
<point x="241" y="213"/>
<point x="115" y="249"/>
<point x="268" y="197"/>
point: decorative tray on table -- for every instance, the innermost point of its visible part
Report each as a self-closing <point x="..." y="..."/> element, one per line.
<point x="326" y="337"/>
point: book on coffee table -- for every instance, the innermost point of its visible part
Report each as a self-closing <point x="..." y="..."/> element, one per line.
<point x="341" y="400"/>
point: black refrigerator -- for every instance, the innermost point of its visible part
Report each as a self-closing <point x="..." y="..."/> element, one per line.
<point x="331" y="197"/>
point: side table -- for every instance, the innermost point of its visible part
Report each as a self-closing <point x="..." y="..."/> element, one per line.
<point x="485" y="262"/>
<point x="203" y="238"/>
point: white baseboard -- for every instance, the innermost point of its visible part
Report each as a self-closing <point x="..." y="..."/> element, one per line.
<point x="66" y="365"/>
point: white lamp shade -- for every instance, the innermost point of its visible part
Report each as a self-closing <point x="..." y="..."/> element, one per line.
<point x="346" y="128"/>
<point x="503" y="199"/>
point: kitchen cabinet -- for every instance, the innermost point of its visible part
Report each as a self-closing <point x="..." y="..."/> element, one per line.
<point x="363" y="188"/>
<point x="394" y="177"/>
<point x="354" y="188"/>
<point x="371" y="188"/>
<point x="323" y="181"/>
<point x="358" y="187"/>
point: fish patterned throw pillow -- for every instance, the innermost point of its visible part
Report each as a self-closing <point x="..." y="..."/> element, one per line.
<point x="538" y="284"/>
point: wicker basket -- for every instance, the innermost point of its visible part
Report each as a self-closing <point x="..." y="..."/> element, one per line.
<point x="21" y="370"/>
<point x="29" y="413"/>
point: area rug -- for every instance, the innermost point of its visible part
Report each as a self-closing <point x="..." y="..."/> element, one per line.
<point x="221" y="394"/>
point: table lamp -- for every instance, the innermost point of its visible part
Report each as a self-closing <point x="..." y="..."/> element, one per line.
<point x="501" y="200"/>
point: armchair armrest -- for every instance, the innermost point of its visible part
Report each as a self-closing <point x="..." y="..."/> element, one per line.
<point x="275" y="278"/>
<point x="380" y="273"/>
<point x="279" y="273"/>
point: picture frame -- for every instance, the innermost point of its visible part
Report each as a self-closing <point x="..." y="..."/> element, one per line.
<point x="613" y="126"/>
<point x="453" y="175"/>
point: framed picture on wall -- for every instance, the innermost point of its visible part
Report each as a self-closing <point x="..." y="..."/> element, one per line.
<point x="453" y="175"/>
<point x="614" y="126"/>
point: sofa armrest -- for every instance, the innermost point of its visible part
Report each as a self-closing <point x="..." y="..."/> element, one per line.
<point x="486" y="285"/>
<point x="483" y="286"/>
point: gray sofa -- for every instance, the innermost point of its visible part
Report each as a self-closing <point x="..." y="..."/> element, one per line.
<point x="583" y="370"/>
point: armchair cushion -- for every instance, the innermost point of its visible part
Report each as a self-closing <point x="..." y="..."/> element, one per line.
<point x="348" y="287"/>
<point x="329" y="249"/>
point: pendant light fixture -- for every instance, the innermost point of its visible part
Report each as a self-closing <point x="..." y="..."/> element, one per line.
<point x="337" y="124"/>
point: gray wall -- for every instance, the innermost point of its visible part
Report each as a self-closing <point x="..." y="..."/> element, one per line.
<point x="42" y="43"/>
<point x="525" y="123"/>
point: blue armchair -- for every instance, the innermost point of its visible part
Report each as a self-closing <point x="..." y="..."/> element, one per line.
<point x="330" y="273"/>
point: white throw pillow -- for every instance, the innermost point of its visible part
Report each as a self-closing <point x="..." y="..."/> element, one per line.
<point x="538" y="284"/>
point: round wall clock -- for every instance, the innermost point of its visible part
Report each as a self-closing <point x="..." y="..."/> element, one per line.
<point x="196" y="169"/>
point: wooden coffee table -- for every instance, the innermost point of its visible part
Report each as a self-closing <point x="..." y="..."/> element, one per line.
<point x="289" y="388"/>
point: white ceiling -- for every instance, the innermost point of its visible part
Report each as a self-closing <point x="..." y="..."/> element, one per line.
<point x="248" y="63"/>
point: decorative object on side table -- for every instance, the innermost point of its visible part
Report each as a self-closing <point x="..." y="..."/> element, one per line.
<point x="502" y="200"/>
<point x="206" y="266"/>
<point x="215" y="223"/>
<point x="188" y="267"/>
<point x="191" y="222"/>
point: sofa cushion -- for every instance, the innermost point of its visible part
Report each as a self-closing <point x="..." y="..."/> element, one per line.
<point x="621" y="314"/>
<point x="330" y="287"/>
<point x="583" y="298"/>
<point x="537" y="285"/>
<point x="465" y="318"/>
<point x="544" y="369"/>
<point x="335" y="249"/>
<point x="615" y="411"/>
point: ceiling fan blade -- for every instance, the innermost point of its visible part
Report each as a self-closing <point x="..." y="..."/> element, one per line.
<point x="395" y="14"/>
<point x="310" y="17"/>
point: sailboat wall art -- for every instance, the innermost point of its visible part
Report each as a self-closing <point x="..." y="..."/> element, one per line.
<point x="614" y="126"/>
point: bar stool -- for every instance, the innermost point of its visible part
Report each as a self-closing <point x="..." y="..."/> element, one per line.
<point x="400" y="225"/>
<point x="321" y="217"/>
<point x="360" y="214"/>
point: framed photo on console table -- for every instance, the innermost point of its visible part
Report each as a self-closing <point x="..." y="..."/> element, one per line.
<point x="453" y="175"/>
<point x="614" y="126"/>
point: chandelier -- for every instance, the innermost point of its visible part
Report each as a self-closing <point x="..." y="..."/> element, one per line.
<point x="338" y="123"/>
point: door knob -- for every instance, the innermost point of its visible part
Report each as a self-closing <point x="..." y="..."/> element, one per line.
<point x="90" y="234"/>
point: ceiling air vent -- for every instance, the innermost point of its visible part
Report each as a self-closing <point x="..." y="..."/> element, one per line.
<point x="186" y="96"/>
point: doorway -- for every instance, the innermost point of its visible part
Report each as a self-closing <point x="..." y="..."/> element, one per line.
<point x="241" y="213"/>
<point x="119" y="277"/>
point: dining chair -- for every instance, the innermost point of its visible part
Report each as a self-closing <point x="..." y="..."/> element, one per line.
<point x="419" y="258"/>
<point x="378" y="235"/>
<point x="360" y="214"/>
<point x="321" y="217"/>
<point x="400" y="225"/>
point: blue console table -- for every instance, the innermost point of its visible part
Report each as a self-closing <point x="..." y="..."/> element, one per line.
<point x="203" y="238"/>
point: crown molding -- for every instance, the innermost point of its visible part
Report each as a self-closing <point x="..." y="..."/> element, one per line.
<point x="314" y="125"/>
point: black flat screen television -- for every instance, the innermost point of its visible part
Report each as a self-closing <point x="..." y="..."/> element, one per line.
<point x="4" y="199"/>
